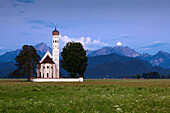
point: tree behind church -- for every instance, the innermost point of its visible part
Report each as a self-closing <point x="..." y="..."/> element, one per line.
<point x="74" y="59"/>
<point x="26" y="62"/>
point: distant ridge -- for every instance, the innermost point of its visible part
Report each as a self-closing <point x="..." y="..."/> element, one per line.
<point x="41" y="48"/>
<point x="125" y="51"/>
<point x="161" y="59"/>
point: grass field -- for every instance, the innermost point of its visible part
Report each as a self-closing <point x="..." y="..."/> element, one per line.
<point x="92" y="96"/>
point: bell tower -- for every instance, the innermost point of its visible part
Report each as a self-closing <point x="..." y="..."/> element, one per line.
<point x="55" y="53"/>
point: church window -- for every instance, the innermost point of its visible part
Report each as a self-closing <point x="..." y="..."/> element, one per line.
<point x="52" y="67"/>
<point x="55" y="41"/>
<point x="47" y="67"/>
<point x="44" y="67"/>
<point x="47" y="75"/>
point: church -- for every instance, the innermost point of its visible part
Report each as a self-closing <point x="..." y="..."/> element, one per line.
<point x="48" y="67"/>
<point x="49" y="64"/>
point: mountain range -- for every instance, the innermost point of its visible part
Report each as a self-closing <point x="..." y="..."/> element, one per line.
<point x="114" y="65"/>
<point x="41" y="48"/>
<point x="161" y="59"/>
<point x="111" y="61"/>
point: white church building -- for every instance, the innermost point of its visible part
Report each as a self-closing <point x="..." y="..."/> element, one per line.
<point x="48" y="68"/>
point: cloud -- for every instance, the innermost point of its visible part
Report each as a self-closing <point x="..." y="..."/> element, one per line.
<point x="35" y="27"/>
<point x="20" y="12"/>
<point x="22" y="2"/>
<point x="87" y="42"/>
<point x="51" y="25"/>
<point x="25" y="1"/>
<point x="122" y="37"/>
<point x="64" y="25"/>
<point x="144" y="49"/>
<point x="155" y="44"/>
<point x="36" y="22"/>
<point x="26" y="33"/>
<point x="97" y="41"/>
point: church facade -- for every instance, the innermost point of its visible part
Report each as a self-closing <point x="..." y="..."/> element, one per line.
<point x="49" y="64"/>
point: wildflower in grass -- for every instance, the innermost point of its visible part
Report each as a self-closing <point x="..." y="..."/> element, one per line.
<point x="122" y="95"/>
<point x="116" y="106"/>
<point x="119" y="109"/>
<point x="140" y="95"/>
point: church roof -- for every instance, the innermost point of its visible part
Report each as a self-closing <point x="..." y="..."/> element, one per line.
<point x="46" y="54"/>
<point x="47" y="60"/>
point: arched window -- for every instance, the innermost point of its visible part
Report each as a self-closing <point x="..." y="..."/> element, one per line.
<point x="55" y="41"/>
<point x="47" y="75"/>
<point x="47" y="67"/>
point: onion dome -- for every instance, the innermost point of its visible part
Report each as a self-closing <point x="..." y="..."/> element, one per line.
<point x="55" y="32"/>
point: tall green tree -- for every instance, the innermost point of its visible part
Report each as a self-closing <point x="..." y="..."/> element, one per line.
<point x="74" y="59"/>
<point x="26" y="62"/>
<point x="138" y="76"/>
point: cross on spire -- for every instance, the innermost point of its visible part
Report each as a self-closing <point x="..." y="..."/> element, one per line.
<point x="55" y="26"/>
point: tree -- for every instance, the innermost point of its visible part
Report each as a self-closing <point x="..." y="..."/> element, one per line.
<point x="138" y="76"/>
<point x="163" y="77"/>
<point x="74" y="59"/>
<point x="147" y="77"/>
<point x="26" y="62"/>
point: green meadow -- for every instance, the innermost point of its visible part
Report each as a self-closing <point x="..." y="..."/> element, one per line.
<point x="91" y="96"/>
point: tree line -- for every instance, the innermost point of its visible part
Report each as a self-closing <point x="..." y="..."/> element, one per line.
<point x="149" y="75"/>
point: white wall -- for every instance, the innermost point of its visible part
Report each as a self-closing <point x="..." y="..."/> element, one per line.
<point x="57" y="80"/>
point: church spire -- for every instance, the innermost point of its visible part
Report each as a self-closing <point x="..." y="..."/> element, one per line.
<point x="55" y="26"/>
<point x="55" y="32"/>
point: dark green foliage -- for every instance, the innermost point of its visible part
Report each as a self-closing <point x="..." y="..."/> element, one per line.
<point x="74" y="59"/>
<point x="147" y="77"/>
<point x="138" y="76"/>
<point x="151" y="75"/>
<point x="26" y="62"/>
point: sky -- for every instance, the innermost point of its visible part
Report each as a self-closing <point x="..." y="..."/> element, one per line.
<point x="143" y="25"/>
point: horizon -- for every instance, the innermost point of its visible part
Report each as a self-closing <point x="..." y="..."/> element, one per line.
<point x="141" y="25"/>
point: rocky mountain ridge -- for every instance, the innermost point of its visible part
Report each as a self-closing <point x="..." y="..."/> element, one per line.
<point x="161" y="59"/>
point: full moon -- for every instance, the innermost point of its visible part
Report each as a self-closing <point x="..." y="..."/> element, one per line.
<point x="119" y="44"/>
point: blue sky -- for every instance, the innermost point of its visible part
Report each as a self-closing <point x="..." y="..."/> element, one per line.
<point x="143" y="25"/>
